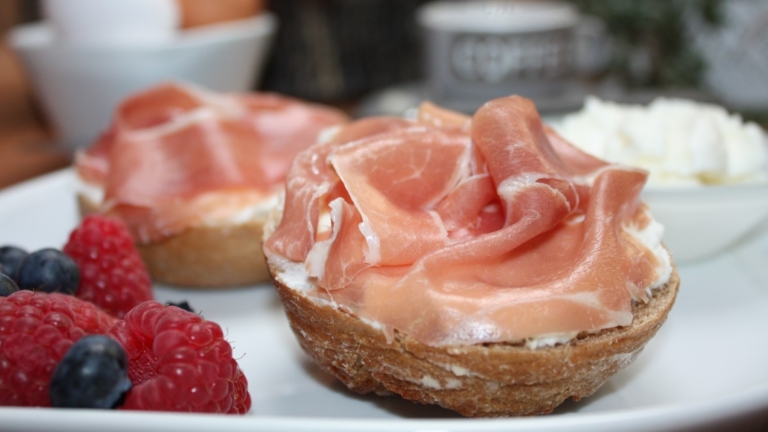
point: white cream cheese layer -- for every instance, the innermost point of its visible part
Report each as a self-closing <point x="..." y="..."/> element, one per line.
<point x="95" y="194"/>
<point x="296" y="276"/>
<point x="90" y="191"/>
<point x="247" y="213"/>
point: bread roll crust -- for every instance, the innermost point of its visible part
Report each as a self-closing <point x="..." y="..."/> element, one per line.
<point x="484" y="380"/>
<point x="208" y="257"/>
<point x="205" y="256"/>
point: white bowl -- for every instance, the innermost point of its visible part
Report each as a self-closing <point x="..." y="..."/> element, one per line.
<point x="80" y="85"/>
<point x="700" y="222"/>
<point x="99" y="22"/>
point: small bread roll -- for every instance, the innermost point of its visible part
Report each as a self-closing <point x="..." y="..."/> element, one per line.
<point x="484" y="380"/>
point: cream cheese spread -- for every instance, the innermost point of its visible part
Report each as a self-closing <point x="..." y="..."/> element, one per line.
<point x="296" y="276"/>
<point x="95" y="194"/>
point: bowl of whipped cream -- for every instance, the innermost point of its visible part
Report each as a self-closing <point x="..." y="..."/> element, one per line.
<point x="708" y="169"/>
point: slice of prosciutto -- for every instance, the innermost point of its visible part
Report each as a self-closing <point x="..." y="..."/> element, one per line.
<point x="459" y="230"/>
<point x="175" y="156"/>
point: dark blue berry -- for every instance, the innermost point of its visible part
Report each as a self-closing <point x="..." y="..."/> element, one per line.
<point x="48" y="270"/>
<point x="10" y="259"/>
<point x="183" y="305"/>
<point x="7" y="286"/>
<point x="93" y="374"/>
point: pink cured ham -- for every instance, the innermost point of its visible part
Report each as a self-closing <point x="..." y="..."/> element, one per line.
<point x="176" y="157"/>
<point x="461" y="232"/>
<point x="310" y="183"/>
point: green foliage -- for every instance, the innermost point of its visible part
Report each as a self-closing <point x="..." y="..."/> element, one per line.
<point x="653" y="33"/>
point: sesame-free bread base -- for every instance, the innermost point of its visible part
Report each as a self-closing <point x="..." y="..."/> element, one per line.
<point x="204" y="256"/>
<point x="485" y="380"/>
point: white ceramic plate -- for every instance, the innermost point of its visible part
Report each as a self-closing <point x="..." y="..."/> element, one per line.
<point x="706" y="368"/>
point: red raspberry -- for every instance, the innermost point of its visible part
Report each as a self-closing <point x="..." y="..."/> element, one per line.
<point x="112" y="275"/>
<point x="178" y="361"/>
<point x="36" y="330"/>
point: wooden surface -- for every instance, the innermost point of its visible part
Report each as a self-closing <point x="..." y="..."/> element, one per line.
<point x="26" y="148"/>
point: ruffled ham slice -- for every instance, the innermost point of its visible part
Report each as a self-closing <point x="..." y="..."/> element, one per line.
<point x="459" y="231"/>
<point x="176" y="157"/>
<point x="310" y="182"/>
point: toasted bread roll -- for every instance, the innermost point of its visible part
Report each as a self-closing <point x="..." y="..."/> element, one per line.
<point x="204" y="256"/>
<point x="485" y="380"/>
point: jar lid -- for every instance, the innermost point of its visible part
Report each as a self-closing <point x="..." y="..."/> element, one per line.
<point x="497" y="16"/>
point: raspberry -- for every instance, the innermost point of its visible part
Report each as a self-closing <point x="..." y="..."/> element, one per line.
<point x="36" y="330"/>
<point x="178" y="361"/>
<point x="112" y="275"/>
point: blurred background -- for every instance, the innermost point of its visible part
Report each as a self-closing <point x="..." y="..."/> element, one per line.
<point x="64" y="64"/>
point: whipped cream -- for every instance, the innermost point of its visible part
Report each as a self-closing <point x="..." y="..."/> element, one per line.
<point x="680" y="142"/>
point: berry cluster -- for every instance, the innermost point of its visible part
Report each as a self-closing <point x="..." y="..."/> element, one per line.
<point x="109" y="345"/>
<point x="47" y="270"/>
<point x="36" y="331"/>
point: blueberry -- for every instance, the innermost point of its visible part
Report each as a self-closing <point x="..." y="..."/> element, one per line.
<point x="10" y="258"/>
<point x="7" y="286"/>
<point x="92" y="374"/>
<point x="48" y="270"/>
<point x="183" y="305"/>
